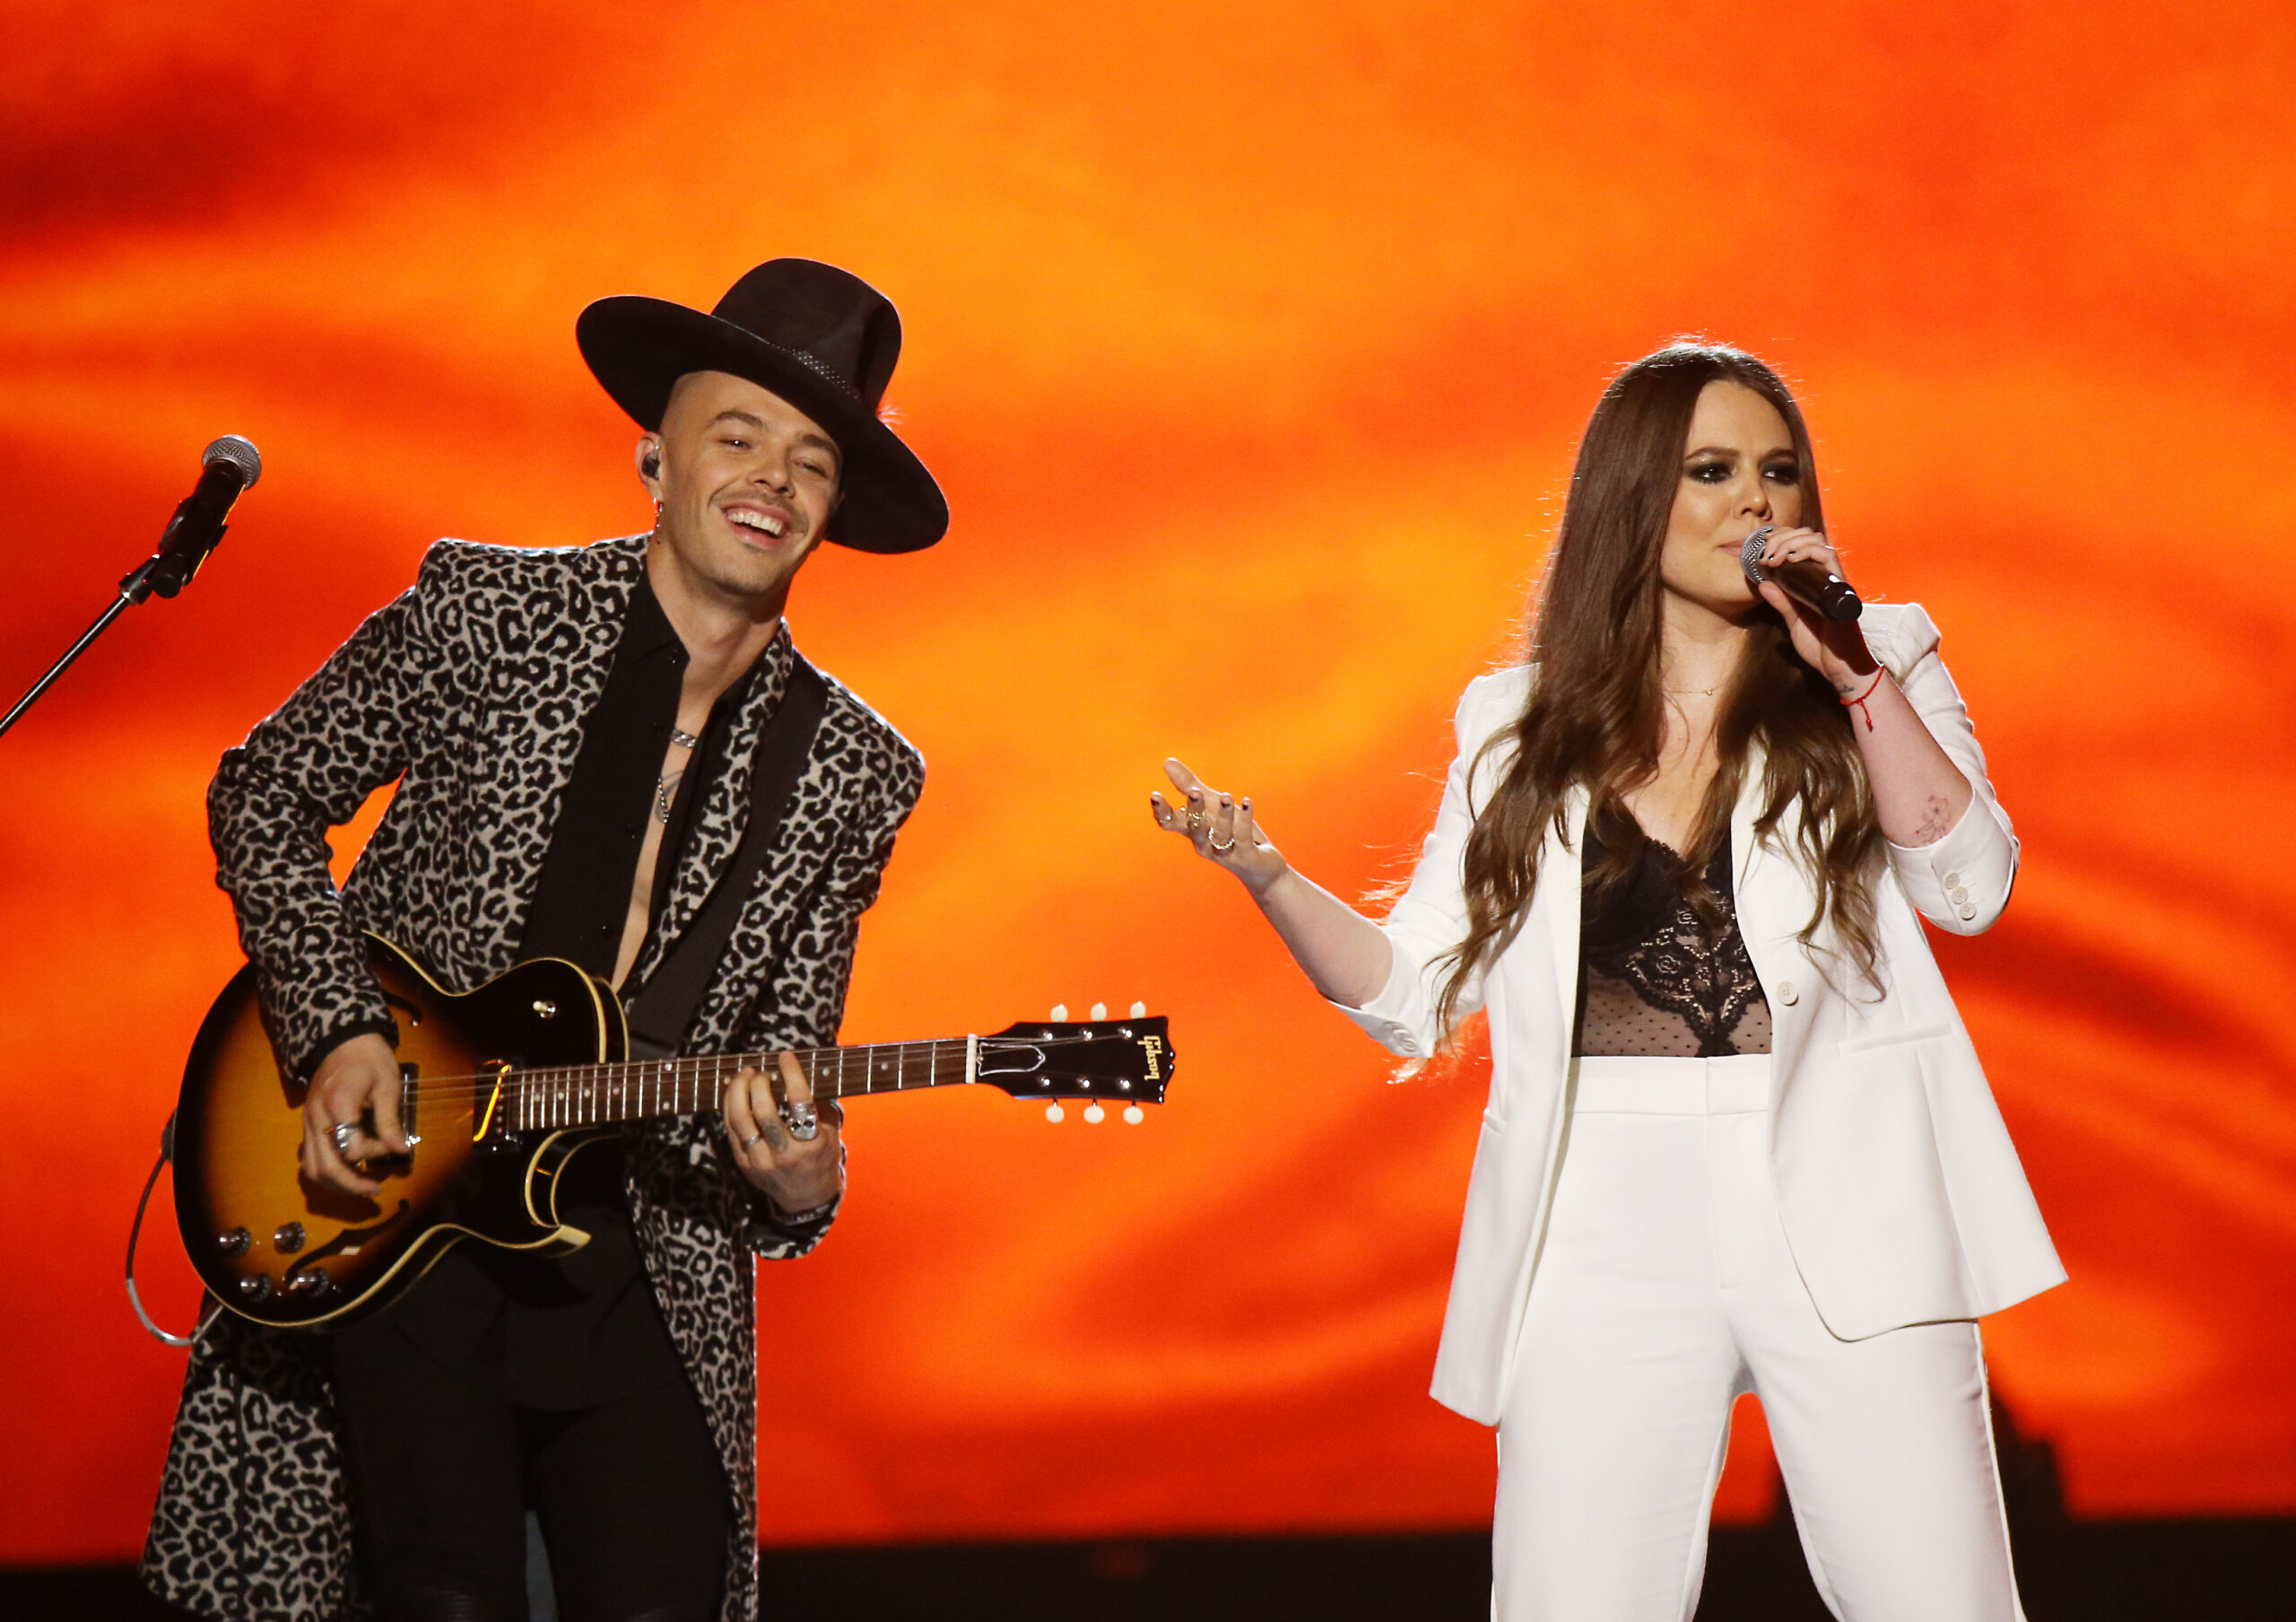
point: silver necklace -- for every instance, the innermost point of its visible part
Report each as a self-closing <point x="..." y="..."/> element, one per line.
<point x="666" y="787"/>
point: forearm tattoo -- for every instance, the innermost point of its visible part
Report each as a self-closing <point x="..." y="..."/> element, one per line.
<point x="1936" y="822"/>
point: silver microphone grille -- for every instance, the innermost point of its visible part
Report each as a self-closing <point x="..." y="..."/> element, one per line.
<point x="239" y="453"/>
<point x="1749" y="555"/>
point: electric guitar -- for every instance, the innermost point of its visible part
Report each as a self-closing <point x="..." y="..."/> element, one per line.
<point x="503" y="1085"/>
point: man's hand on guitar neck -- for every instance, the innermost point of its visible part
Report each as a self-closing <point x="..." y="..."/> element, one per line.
<point x="356" y="1081"/>
<point x="798" y="1175"/>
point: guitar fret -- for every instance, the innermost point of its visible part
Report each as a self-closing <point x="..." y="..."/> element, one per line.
<point x="564" y="1096"/>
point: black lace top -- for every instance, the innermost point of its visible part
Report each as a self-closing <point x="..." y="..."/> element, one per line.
<point x="1653" y="980"/>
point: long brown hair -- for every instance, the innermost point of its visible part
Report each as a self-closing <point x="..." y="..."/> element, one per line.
<point x="1596" y="717"/>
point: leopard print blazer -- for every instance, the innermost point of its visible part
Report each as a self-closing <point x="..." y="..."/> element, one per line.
<point x="471" y="690"/>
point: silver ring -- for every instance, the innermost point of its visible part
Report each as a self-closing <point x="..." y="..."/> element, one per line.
<point x="804" y="1125"/>
<point x="343" y="1133"/>
<point x="752" y="1141"/>
<point x="1219" y="849"/>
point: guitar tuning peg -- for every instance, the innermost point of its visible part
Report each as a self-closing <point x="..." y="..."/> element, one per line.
<point x="1099" y="1012"/>
<point x="1133" y="1115"/>
<point x="1053" y="1112"/>
<point x="1059" y="1014"/>
<point x="1093" y="1113"/>
<point x="1140" y="1010"/>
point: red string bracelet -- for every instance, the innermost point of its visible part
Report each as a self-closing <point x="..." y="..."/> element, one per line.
<point x="1859" y="701"/>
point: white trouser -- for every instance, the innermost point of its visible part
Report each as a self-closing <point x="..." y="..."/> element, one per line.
<point x="1665" y="1288"/>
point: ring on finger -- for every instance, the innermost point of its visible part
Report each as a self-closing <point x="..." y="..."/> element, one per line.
<point x="342" y="1131"/>
<point x="1194" y="821"/>
<point x="752" y="1141"/>
<point x="804" y="1125"/>
<point x="1223" y="849"/>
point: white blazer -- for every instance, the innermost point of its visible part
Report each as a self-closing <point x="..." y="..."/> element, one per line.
<point x="1902" y="1198"/>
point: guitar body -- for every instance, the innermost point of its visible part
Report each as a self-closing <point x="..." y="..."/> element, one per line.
<point x="277" y="1249"/>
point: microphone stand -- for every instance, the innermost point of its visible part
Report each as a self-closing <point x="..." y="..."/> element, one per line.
<point x="166" y="572"/>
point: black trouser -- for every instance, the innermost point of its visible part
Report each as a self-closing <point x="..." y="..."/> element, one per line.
<point x="631" y="1492"/>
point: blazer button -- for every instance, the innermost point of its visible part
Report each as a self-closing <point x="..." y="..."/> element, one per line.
<point x="1969" y="914"/>
<point x="1951" y="879"/>
<point x="1961" y="894"/>
<point x="1786" y="994"/>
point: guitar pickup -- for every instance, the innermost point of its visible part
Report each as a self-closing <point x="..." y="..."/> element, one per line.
<point x="409" y="1096"/>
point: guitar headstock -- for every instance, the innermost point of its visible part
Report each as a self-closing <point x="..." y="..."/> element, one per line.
<point x="1124" y="1061"/>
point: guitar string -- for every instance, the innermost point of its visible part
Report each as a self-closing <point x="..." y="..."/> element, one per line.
<point x="547" y="1080"/>
<point x="901" y="1055"/>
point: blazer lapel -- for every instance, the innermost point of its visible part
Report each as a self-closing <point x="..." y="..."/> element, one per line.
<point x="1559" y="879"/>
<point x="1772" y="900"/>
<point x="546" y="682"/>
<point x="726" y="813"/>
<point x="807" y="835"/>
<point x="1743" y="817"/>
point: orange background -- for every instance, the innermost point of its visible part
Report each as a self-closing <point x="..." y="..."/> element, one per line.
<point x="1249" y="342"/>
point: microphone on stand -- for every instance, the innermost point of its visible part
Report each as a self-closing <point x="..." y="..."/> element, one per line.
<point x="228" y="467"/>
<point x="1805" y="579"/>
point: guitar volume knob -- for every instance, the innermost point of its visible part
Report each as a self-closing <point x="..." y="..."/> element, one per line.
<point x="234" y="1242"/>
<point x="288" y="1237"/>
<point x="255" y="1287"/>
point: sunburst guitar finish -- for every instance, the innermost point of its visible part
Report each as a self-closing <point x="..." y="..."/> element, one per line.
<point x="273" y="1246"/>
<point x="502" y="1086"/>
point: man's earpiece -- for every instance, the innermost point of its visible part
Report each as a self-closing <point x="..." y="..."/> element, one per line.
<point x="652" y="465"/>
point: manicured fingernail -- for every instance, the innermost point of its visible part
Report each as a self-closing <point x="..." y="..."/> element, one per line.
<point x="1226" y="801"/>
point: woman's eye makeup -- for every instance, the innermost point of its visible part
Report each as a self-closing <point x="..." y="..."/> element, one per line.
<point x="1783" y="473"/>
<point x="1710" y="473"/>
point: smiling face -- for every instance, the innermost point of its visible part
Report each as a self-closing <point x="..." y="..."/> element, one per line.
<point x="1739" y="471"/>
<point x="747" y="482"/>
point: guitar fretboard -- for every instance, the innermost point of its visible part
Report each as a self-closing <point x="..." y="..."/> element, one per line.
<point x="595" y="1094"/>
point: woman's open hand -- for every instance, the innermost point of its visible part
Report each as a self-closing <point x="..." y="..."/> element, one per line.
<point x="1220" y="826"/>
<point x="1835" y="648"/>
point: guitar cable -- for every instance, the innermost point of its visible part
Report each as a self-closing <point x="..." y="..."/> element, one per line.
<point x="166" y="1153"/>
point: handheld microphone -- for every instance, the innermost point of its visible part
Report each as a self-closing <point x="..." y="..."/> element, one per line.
<point x="227" y="467"/>
<point x="1805" y="579"/>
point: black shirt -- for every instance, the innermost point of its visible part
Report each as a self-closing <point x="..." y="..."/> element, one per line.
<point x="580" y="1329"/>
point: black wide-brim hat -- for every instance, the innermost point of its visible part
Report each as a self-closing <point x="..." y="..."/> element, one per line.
<point x="823" y="340"/>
